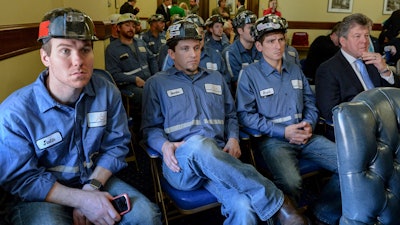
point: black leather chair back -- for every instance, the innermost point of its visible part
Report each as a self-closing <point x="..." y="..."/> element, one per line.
<point x="368" y="142"/>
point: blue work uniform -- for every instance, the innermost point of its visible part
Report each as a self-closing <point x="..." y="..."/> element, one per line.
<point x="179" y="121"/>
<point x="200" y="111"/>
<point x="270" y="101"/>
<point x="154" y="43"/>
<point x="291" y="55"/>
<point x="281" y="99"/>
<point x="126" y="62"/>
<point x="43" y="141"/>
<point x="219" y="45"/>
<point x="237" y="58"/>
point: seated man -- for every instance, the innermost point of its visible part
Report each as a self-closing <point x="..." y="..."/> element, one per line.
<point x="63" y="137"/>
<point x="340" y="78"/>
<point x="210" y="58"/>
<point x="242" y="51"/>
<point x="189" y="117"/>
<point x="129" y="60"/>
<point x="154" y="37"/>
<point x="274" y="97"/>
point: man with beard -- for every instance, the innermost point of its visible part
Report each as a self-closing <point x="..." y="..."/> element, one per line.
<point x="155" y="36"/>
<point x="189" y="117"/>
<point x="129" y="60"/>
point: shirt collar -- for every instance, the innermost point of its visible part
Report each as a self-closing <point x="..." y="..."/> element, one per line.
<point x="268" y="69"/>
<point x="348" y="57"/>
<point x="43" y="97"/>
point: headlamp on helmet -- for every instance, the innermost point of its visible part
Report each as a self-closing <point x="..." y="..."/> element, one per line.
<point x="267" y="24"/>
<point x="243" y="18"/>
<point x="70" y="25"/>
<point x="182" y="30"/>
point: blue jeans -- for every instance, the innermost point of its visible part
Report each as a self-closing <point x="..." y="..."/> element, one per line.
<point x="281" y="159"/>
<point x="245" y="194"/>
<point x="44" y="213"/>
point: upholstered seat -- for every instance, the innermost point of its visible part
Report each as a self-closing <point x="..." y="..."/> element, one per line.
<point x="368" y="142"/>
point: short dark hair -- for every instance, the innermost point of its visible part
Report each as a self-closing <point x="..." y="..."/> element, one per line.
<point x="242" y="1"/>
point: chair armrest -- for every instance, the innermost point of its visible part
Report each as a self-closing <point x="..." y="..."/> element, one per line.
<point x="151" y="153"/>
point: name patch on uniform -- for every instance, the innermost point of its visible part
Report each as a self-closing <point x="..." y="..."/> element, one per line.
<point x="49" y="141"/>
<point x="297" y="84"/>
<point x="213" y="88"/>
<point x="151" y="43"/>
<point x="266" y="92"/>
<point x="163" y="41"/>
<point x="212" y="66"/>
<point x="175" y="92"/>
<point x="97" y="119"/>
<point x="292" y="53"/>
<point x="142" y="49"/>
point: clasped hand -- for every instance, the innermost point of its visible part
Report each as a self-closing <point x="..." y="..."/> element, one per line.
<point x="298" y="133"/>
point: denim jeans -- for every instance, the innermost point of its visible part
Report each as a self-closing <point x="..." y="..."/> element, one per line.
<point x="44" y="213"/>
<point x="245" y="194"/>
<point x="281" y="159"/>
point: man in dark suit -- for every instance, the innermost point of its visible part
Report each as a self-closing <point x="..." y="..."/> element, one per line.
<point x="164" y="10"/>
<point x="340" y="79"/>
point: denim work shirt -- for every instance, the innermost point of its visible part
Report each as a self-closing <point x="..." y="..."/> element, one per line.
<point x="268" y="101"/>
<point x="43" y="141"/>
<point x="237" y="58"/>
<point x="126" y="64"/>
<point x="175" y="107"/>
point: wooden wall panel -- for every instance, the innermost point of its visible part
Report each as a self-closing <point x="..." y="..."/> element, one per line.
<point x="22" y="38"/>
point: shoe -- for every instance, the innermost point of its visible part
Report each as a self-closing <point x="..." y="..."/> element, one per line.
<point x="288" y="215"/>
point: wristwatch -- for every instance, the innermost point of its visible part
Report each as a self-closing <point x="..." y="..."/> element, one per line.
<point x="96" y="184"/>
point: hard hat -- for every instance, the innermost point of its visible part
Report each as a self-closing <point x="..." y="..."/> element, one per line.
<point x="66" y="23"/>
<point x="114" y="18"/>
<point x="243" y="18"/>
<point x="194" y="18"/>
<point x="156" y="17"/>
<point x="214" y="19"/>
<point x="266" y="24"/>
<point x="127" y="17"/>
<point x="182" y="30"/>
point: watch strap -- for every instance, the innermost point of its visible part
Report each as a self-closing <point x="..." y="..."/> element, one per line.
<point x="96" y="184"/>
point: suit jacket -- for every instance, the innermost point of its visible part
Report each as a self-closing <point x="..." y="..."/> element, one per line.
<point x="336" y="82"/>
<point x="160" y="10"/>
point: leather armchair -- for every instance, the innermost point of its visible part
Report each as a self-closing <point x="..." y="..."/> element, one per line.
<point x="367" y="132"/>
